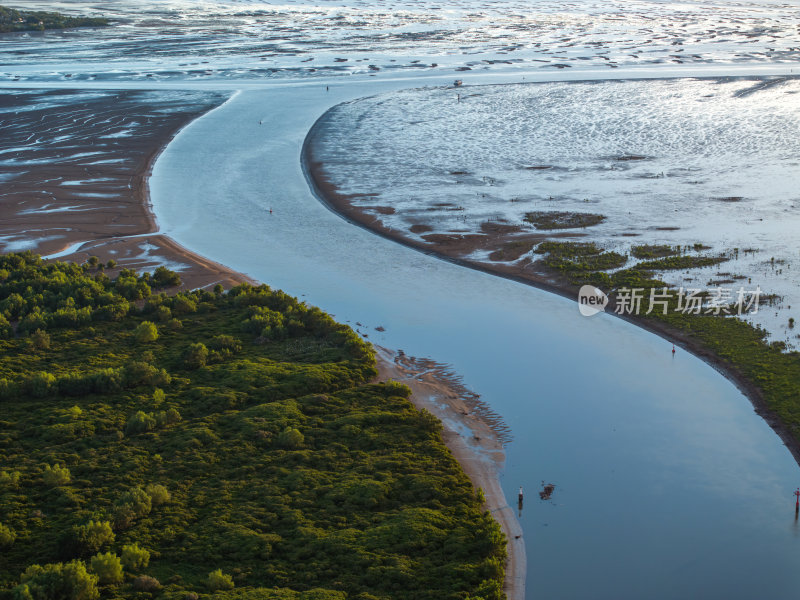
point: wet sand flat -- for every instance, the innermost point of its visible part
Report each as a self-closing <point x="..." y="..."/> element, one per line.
<point x="484" y="173"/>
<point x="73" y="176"/>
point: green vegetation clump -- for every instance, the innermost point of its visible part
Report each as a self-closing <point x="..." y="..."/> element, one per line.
<point x="146" y="332"/>
<point x="70" y="581"/>
<point x="7" y="537"/>
<point x="680" y="262"/>
<point x="650" y="251"/>
<point x="217" y="580"/>
<point x="274" y="461"/>
<point x="578" y="261"/>
<point x="585" y="262"/>
<point x="27" y="20"/>
<point x="55" y="475"/>
<point x="550" y="220"/>
<point x="107" y="567"/>
<point x="86" y="538"/>
<point x="134" y="558"/>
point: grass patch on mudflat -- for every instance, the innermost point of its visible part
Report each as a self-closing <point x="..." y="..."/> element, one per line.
<point x="28" y="20"/>
<point x="680" y="262"/>
<point x="579" y="260"/>
<point x="550" y="220"/>
<point x="230" y="437"/>
<point x="650" y="251"/>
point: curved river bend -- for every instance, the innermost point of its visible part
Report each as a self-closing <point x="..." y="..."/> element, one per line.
<point x="668" y="485"/>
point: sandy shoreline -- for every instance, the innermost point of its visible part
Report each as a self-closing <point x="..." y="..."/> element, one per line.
<point x="494" y="238"/>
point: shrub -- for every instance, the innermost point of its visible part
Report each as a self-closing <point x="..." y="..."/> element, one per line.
<point x="196" y="356"/>
<point x="139" y="423"/>
<point x="7" y="536"/>
<point x="107" y="380"/>
<point x="9" y="479"/>
<point x="56" y="475"/>
<point x="290" y="438"/>
<point x="135" y="558"/>
<point x="42" y="384"/>
<point x="163" y="314"/>
<point x="217" y="580"/>
<point x="137" y="499"/>
<point x="163" y="277"/>
<point x="70" y="581"/>
<point x="168" y="417"/>
<point x="142" y="373"/>
<point x="158" y="494"/>
<point x="222" y="343"/>
<point x="145" y="583"/>
<point x="112" y="312"/>
<point x="130" y="288"/>
<point x="146" y="332"/>
<point x="88" y="538"/>
<point x="5" y="328"/>
<point x="107" y="567"/>
<point x="395" y="388"/>
<point x="183" y="305"/>
<point x="7" y="390"/>
<point x="158" y="396"/>
<point x="131" y="505"/>
<point x="12" y="306"/>
<point x="32" y="321"/>
<point x="40" y="340"/>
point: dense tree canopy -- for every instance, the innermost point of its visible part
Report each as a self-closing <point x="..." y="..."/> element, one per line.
<point x="239" y="453"/>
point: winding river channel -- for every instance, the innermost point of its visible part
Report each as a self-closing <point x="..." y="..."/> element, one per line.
<point x="667" y="484"/>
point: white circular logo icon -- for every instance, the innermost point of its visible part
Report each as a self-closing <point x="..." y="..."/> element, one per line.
<point x="591" y="300"/>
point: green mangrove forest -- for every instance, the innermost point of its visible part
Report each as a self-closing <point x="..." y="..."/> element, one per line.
<point x="220" y="445"/>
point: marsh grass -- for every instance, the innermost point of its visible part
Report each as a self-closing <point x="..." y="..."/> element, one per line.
<point x="549" y="220"/>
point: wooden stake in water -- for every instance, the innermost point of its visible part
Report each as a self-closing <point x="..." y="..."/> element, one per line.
<point x="797" y="502"/>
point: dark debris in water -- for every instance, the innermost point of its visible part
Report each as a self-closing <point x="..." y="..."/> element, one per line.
<point x="547" y="491"/>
